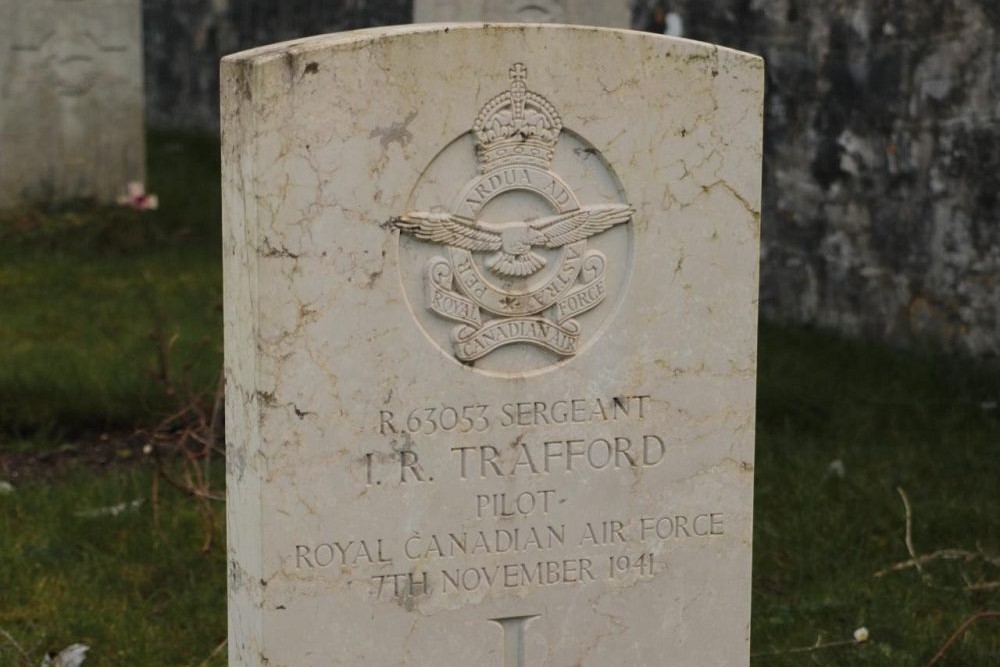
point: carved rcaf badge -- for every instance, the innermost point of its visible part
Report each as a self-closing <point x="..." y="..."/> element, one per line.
<point x="514" y="281"/>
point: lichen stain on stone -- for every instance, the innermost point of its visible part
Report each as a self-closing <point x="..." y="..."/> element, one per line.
<point x="410" y="601"/>
<point x="236" y="461"/>
<point x="405" y="446"/>
<point x="395" y="133"/>
<point x="301" y="414"/>
<point x="271" y="251"/>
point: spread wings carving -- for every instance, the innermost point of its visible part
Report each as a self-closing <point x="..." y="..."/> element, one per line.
<point x="512" y="241"/>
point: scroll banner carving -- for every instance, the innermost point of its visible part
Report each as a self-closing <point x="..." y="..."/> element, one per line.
<point x="443" y="300"/>
<point x="477" y="339"/>
<point x="586" y="296"/>
<point x="471" y="344"/>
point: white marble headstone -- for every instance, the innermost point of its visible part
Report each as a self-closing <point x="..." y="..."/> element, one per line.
<point x="71" y="99"/>
<point x="490" y="348"/>
<point x="609" y="13"/>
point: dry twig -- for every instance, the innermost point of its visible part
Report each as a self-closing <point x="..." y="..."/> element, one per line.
<point x="23" y="654"/>
<point x="214" y="652"/>
<point x="959" y="632"/>
<point x="983" y="586"/>
<point x="940" y="554"/>
<point x="908" y="536"/>
<point x="818" y="646"/>
<point x="194" y="432"/>
<point x="917" y="561"/>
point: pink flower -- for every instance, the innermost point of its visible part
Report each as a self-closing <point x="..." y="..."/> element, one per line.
<point x="137" y="198"/>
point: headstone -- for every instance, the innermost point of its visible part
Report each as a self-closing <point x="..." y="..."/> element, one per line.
<point x="490" y="347"/>
<point x="71" y="105"/>
<point x="609" y="13"/>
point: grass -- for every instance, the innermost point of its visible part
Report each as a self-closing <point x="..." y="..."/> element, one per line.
<point x="134" y="596"/>
<point x="87" y="360"/>
<point x="928" y="425"/>
<point x="82" y="288"/>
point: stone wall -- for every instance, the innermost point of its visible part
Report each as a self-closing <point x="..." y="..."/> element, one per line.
<point x="185" y="39"/>
<point x="882" y="168"/>
<point x="882" y="156"/>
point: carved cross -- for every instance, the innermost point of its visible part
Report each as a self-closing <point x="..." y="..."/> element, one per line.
<point x="66" y="42"/>
<point x="513" y="638"/>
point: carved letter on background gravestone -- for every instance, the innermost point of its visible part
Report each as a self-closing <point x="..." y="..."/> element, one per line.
<point x="71" y="99"/>
<point x="609" y="13"/>
<point x="490" y="348"/>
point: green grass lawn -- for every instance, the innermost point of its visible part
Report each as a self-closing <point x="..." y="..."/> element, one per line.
<point x="84" y="289"/>
<point x="136" y="596"/>
<point x="841" y="426"/>
<point x="927" y="425"/>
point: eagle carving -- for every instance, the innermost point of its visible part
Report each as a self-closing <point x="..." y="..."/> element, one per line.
<point x="511" y="242"/>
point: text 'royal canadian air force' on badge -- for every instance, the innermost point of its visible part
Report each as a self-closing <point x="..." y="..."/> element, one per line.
<point x="514" y="270"/>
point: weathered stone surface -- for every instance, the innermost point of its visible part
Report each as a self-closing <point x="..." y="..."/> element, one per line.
<point x="71" y="99"/>
<point x="883" y="162"/>
<point x="610" y="13"/>
<point x="490" y="348"/>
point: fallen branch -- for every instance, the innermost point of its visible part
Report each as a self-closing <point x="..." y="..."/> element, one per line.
<point x="959" y="632"/>
<point x="941" y="554"/>
<point x="188" y="488"/>
<point x="192" y="433"/>
<point x="908" y="536"/>
<point x="983" y="586"/>
<point x="917" y="561"/>
<point x="818" y="646"/>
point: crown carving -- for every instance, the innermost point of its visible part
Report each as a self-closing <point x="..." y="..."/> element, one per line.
<point x="517" y="127"/>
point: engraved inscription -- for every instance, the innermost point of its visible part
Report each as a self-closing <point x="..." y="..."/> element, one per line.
<point x="519" y="575"/>
<point x="515" y="299"/>
<point x="479" y="418"/>
<point x="558" y="456"/>
<point x="474" y="455"/>
<point x="523" y="538"/>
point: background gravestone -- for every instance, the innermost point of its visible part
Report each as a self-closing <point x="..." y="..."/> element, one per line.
<point x="490" y="348"/>
<point x="613" y="13"/>
<point x="71" y="103"/>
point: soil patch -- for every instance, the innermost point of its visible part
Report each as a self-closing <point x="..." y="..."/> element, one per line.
<point x="98" y="452"/>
